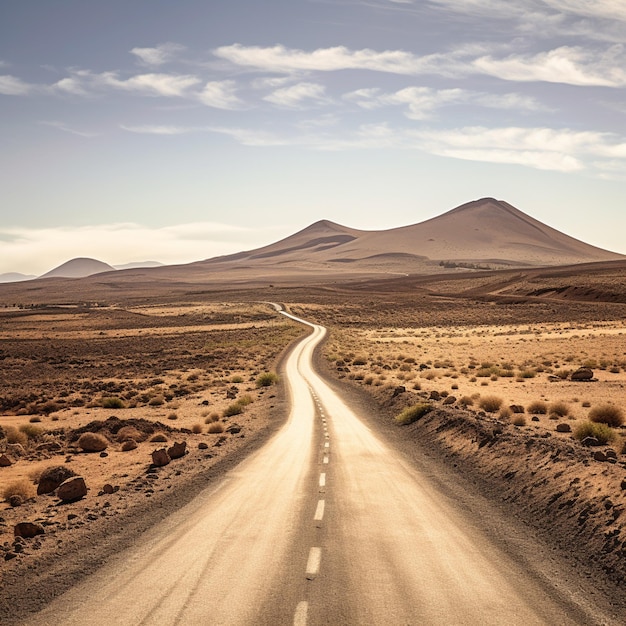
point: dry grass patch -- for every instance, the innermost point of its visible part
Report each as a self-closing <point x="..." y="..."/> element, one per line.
<point x="490" y="403"/>
<point x="413" y="413"/>
<point x="607" y="414"/>
<point x="602" y="432"/>
<point x="23" y="488"/>
<point x="215" y="428"/>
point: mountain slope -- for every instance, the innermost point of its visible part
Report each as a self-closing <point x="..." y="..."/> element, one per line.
<point x="78" y="268"/>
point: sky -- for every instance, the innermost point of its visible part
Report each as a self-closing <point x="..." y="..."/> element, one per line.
<point x="179" y="131"/>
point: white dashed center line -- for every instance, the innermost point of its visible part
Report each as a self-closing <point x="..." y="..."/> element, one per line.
<point x="319" y="511"/>
<point x="300" y="616"/>
<point x="322" y="479"/>
<point x="313" y="563"/>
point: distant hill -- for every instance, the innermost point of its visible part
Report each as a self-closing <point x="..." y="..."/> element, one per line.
<point x="138" y="265"/>
<point x="15" y="277"/>
<point x="482" y="233"/>
<point x="78" y="268"/>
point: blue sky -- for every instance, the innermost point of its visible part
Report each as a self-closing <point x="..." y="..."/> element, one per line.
<point x="179" y="131"/>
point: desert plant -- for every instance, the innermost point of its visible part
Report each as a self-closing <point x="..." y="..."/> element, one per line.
<point x="232" y="409"/>
<point x="267" y="379"/>
<point x="505" y="413"/>
<point x="35" y="419"/>
<point x="519" y="420"/>
<point x="156" y="401"/>
<point x="172" y="416"/>
<point x="490" y="403"/>
<point x="236" y="379"/>
<point x="608" y="414"/>
<point x="128" y="432"/>
<point x="537" y="407"/>
<point x="215" y="427"/>
<point x="558" y="408"/>
<point x="112" y="402"/>
<point x="212" y="417"/>
<point x="413" y="413"/>
<point x="92" y="442"/>
<point x="14" y="435"/>
<point x="245" y="400"/>
<point x="466" y="401"/>
<point x="158" y="438"/>
<point x="602" y="432"/>
<point x="196" y="429"/>
<point x="31" y="431"/>
<point x="21" y="487"/>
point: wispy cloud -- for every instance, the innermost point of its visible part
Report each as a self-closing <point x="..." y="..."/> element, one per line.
<point x="220" y="95"/>
<point x="298" y="95"/>
<point x="159" y="55"/>
<point x="67" y="129"/>
<point x="12" y="86"/>
<point x="161" y="129"/>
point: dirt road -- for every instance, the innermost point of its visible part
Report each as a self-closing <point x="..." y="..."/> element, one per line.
<point x="323" y="525"/>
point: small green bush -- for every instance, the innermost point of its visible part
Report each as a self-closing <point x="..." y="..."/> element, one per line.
<point x="267" y="379"/>
<point x="233" y="409"/>
<point x="607" y="414"/>
<point x="112" y="403"/>
<point x="603" y="433"/>
<point x="413" y="413"/>
<point x="559" y="408"/>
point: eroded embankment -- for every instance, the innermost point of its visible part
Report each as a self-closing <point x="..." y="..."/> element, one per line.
<point x="552" y="484"/>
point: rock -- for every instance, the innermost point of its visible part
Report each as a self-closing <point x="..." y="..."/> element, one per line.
<point x="563" y="428"/>
<point x="10" y="555"/>
<point x="398" y="390"/>
<point x="72" y="489"/>
<point x="28" y="530"/>
<point x="49" y="446"/>
<point x="92" y="442"/>
<point x="610" y="453"/>
<point x="231" y="393"/>
<point x="16" y="449"/>
<point x="203" y="446"/>
<point x="534" y="418"/>
<point x="590" y="441"/>
<point x="435" y="395"/>
<point x="598" y="455"/>
<point x="160" y="457"/>
<point x="234" y="429"/>
<point x="108" y="489"/>
<point x="623" y="485"/>
<point x="177" y="450"/>
<point x="517" y="408"/>
<point x="52" y="477"/>
<point x="450" y="400"/>
<point x="16" y="500"/>
<point x="128" y="444"/>
<point x="582" y="374"/>
<point x="5" y="461"/>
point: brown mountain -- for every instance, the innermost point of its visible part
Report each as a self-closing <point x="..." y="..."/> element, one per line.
<point x="78" y="268"/>
<point x="485" y="232"/>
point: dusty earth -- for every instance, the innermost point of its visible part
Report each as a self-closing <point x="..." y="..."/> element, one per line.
<point x="175" y="368"/>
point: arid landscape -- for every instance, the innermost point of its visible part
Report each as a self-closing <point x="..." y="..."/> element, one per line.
<point x="510" y="382"/>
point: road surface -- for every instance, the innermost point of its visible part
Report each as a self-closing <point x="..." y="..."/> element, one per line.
<point x="323" y="525"/>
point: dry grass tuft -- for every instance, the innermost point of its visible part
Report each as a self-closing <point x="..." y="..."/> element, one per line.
<point x="490" y="403"/>
<point x="93" y="442"/>
<point x="538" y="407"/>
<point x="413" y="413"/>
<point x="215" y="427"/>
<point x="608" y="414"/>
<point x="22" y="487"/>
<point x="602" y="432"/>
<point x="196" y="429"/>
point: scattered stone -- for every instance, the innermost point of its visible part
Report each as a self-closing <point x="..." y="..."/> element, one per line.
<point x="231" y="393"/>
<point x="563" y="428"/>
<point x="398" y="390"/>
<point x="450" y="400"/>
<point x="10" y="555"/>
<point x="234" y="429"/>
<point x="160" y="457"/>
<point x="72" y="489"/>
<point x="108" y="489"/>
<point x="534" y="418"/>
<point x="16" y="500"/>
<point x="52" y="477"/>
<point x="104" y="455"/>
<point x="92" y="442"/>
<point x="590" y="441"/>
<point x="177" y="450"/>
<point x="623" y="485"/>
<point x="435" y="395"/>
<point x="128" y="445"/>
<point x="28" y="530"/>
<point x="203" y="445"/>
<point x="5" y="461"/>
<point x="598" y="455"/>
<point x="49" y="446"/>
<point x="517" y="408"/>
<point x="582" y="374"/>
<point x="610" y="453"/>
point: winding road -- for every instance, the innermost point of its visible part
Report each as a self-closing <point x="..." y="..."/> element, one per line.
<point x="325" y="524"/>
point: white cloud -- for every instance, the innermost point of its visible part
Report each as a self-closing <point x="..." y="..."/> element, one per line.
<point x="569" y="65"/>
<point x="150" y="84"/>
<point x="35" y="251"/>
<point x="65" y="128"/>
<point x="12" y="86"/>
<point x="220" y="95"/>
<point x="159" y="130"/>
<point x="159" y="55"/>
<point x="296" y="95"/>
<point x="71" y="85"/>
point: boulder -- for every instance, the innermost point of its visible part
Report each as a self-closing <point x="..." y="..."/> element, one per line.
<point x="160" y="457"/>
<point x="177" y="450"/>
<point x="5" y="461"/>
<point x="52" y="477"/>
<point x="72" y="489"/>
<point x="563" y="428"/>
<point x="129" y="444"/>
<point x="582" y="374"/>
<point x="27" y="530"/>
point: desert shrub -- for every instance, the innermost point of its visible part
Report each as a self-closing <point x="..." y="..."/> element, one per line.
<point x="368" y="380"/>
<point x="413" y="413"/>
<point x="172" y="416"/>
<point x="14" y="435"/>
<point x="519" y="420"/>
<point x="196" y="429"/>
<point x="35" y="419"/>
<point x="505" y="413"/>
<point x="490" y="403"/>
<point x="215" y="427"/>
<point x="602" y="432"/>
<point x="156" y="401"/>
<point x="466" y="401"/>
<point x="245" y="400"/>
<point x="537" y="407"/>
<point x="22" y="487"/>
<point x="128" y="432"/>
<point x="558" y="408"/>
<point x="92" y="442"/>
<point x="527" y="373"/>
<point x="232" y="409"/>
<point x="360" y="360"/>
<point x="112" y="402"/>
<point x="31" y="431"/>
<point x="236" y="379"/>
<point x="607" y="414"/>
<point x="158" y="438"/>
<point x="213" y="417"/>
<point x="267" y="379"/>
